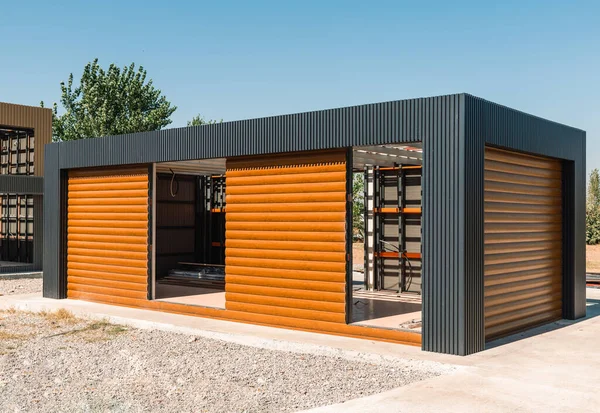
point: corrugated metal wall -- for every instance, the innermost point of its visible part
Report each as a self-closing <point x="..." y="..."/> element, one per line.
<point x="286" y="237"/>
<point x="523" y="241"/>
<point x="443" y="223"/>
<point x="29" y="117"/>
<point x="107" y="249"/>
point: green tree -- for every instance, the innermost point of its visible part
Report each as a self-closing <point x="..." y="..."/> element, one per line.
<point x="111" y="102"/>
<point x="358" y="205"/>
<point x="198" y="120"/>
<point x="592" y="213"/>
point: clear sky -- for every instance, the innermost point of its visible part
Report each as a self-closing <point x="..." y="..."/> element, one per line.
<point x="245" y="59"/>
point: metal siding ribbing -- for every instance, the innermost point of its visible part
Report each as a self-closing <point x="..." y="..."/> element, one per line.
<point x="107" y="242"/>
<point x="22" y="184"/>
<point x="444" y="323"/>
<point x="373" y="124"/>
<point x="30" y="117"/>
<point x="54" y="282"/>
<point x="286" y="237"/>
<point x="503" y="127"/>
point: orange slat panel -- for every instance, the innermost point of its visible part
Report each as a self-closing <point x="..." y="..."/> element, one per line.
<point x="278" y="179"/>
<point x="117" y="216"/>
<point x="138" y="279"/>
<point x="332" y="167"/>
<point x="117" y="269"/>
<point x="286" y="283"/>
<point x="107" y="224"/>
<point x="335" y="277"/>
<point x="286" y="236"/>
<point x="124" y="262"/>
<point x="285" y="264"/>
<point x="108" y="208"/>
<point x="285" y="245"/>
<point x="287" y="254"/>
<point x="71" y="286"/>
<point x="130" y="232"/>
<point x="286" y="217"/>
<point x="107" y="201"/>
<point x="261" y="299"/>
<point x="286" y="226"/>
<point x="287" y="207"/>
<point x="315" y="198"/>
<point x="108" y="246"/>
<point x="137" y="193"/>
<point x="286" y="292"/>
<point x="523" y="242"/>
<point x="108" y="179"/>
<point x="108" y="238"/>
<point x="102" y="282"/>
<point x="287" y="188"/>
<point x="286" y="312"/>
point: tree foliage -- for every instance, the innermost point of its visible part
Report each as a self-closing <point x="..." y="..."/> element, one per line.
<point x="358" y="206"/>
<point x="592" y="216"/>
<point x="111" y="102"/>
<point x="199" y="120"/>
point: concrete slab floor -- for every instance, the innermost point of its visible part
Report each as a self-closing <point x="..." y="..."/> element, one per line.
<point x="554" y="368"/>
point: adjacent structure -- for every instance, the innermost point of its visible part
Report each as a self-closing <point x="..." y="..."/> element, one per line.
<point x="475" y="221"/>
<point x="24" y="130"/>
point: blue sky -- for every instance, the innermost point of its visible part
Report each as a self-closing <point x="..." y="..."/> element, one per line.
<point x="238" y="60"/>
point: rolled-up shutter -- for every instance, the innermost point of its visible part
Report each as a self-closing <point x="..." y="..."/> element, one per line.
<point x="107" y="248"/>
<point x="523" y="241"/>
<point x="286" y="236"/>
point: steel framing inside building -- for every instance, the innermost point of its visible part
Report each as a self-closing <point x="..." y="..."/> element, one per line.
<point x="24" y="130"/>
<point x="500" y="188"/>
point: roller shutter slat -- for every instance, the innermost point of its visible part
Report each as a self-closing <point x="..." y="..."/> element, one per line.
<point x="523" y="242"/>
<point x="285" y="236"/>
<point x="107" y="234"/>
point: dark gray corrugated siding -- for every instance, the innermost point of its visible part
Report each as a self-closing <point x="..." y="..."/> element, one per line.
<point x="503" y="127"/>
<point x="54" y="282"/>
<point x="444" y="313"/>
<point x="22" y="184"/>
<point x="379" y="123"/>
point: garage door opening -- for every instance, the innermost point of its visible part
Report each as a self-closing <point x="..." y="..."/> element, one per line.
<point x="386" y="277"/>
<point x="189" y="232"/>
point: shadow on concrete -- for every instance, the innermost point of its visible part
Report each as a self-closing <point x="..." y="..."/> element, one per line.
<point x="592" y="311"/>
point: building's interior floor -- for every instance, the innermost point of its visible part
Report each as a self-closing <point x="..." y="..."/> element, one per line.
<point x="387" y="309"/>
<point x="384" y="309"/>
<point x="13" y="264"/>
<point x="205" y="297"/>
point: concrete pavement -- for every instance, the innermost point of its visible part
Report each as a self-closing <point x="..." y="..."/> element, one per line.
<point x="555" y="369"/>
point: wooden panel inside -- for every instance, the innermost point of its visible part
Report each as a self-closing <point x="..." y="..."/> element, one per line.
<point x="286" y="236"/>
<point x="107" y="232"/>
<point x="523" y="242"/>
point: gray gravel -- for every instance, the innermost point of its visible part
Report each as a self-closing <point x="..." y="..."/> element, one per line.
<point x="51" y="362"/>
<point x="21" y="286"/>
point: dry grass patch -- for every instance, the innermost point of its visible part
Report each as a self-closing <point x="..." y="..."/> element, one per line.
<point x="60" y="316"/>
<point x="96" y="331"/>
<point x="5" y="335"/>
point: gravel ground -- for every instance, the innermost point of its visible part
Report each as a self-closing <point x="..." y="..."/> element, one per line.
<point x="22" y="286"/>
<point x="54" y="361"/>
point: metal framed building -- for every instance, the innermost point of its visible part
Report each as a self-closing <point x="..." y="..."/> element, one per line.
<point x="501" y="219"/>
<point x="24" y="130"/>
